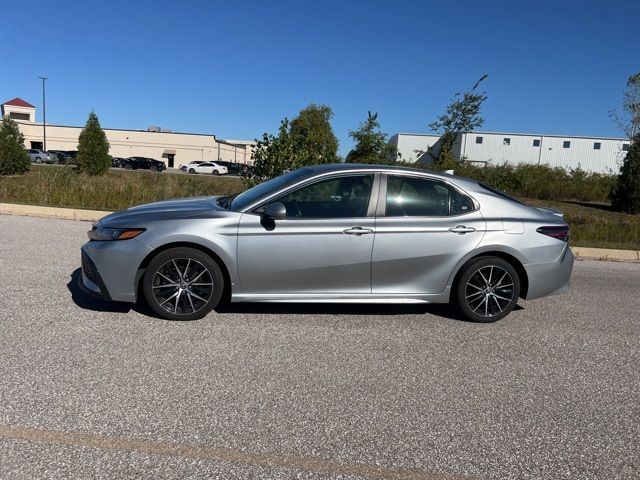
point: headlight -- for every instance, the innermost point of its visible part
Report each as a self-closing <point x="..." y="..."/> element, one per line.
<point x="101" y="233"/>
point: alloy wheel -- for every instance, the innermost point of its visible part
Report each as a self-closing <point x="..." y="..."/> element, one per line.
<point x="182" y="286"/>
<point x="489" y="291"/>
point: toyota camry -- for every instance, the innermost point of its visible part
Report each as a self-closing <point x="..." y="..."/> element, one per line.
<point x="333" y="233"/>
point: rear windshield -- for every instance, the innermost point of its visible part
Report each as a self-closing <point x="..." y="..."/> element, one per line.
<point x="499" y="193"/>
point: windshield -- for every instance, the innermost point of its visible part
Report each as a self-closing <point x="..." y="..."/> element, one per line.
<point x="254" y="194"/>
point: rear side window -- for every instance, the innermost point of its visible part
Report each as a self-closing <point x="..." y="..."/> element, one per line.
<point x="420" y="197"/>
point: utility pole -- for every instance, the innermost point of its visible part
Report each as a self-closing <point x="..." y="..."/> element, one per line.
<point x="44" y="115"/>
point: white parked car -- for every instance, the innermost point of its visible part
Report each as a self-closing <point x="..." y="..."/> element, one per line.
<point x="211" y="168"/>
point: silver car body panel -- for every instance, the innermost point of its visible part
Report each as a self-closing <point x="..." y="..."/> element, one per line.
<point x="395" y="260"/>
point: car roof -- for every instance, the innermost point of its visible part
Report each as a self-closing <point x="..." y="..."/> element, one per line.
<point x="341" y="167"/>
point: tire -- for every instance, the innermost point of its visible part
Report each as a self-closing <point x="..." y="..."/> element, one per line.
<point x="127" y="167"/>
<point x="487" y="290"/>
<point x="191" y="170"/>
<point x="215" y="172"/>
<point x="38" y="160"/>
<point x="199" y="284"/>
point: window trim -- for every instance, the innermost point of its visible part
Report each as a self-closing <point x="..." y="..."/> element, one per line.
<point x="381" y="210"/>
<point x="371" y="208"/>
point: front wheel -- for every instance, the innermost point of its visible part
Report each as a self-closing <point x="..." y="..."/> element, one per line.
<point x="191" y="170"/>
<point x="215" y="172"/>
<point x="487" y="290"/>
<point x="183" y="284"/>
<point x="38" y="160"/>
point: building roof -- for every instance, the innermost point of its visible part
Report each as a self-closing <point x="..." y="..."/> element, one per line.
<point x="514" y="134"/>
<point x="18" y="102"/>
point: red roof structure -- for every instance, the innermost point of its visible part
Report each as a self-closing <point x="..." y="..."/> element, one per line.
<point x="18" y="102"/>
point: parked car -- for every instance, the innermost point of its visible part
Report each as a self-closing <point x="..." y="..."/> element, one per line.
<point x="143" y="163"/>
<point x="117" y="162"/>
<point x="62" y="156"/>
<point x="195" y="162"/>
<point x="333" y="233"/>
<point x="40" y="156"/>
<point x="233" y="167"/>
<point x="212" y="168"/>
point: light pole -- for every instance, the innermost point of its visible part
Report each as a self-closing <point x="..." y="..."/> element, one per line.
<point x="44" y="116"/>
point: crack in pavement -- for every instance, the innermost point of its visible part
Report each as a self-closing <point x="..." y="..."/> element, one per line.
<point x="259" y="459"/>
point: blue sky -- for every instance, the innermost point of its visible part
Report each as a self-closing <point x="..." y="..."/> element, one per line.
<point x="236" y="68"/>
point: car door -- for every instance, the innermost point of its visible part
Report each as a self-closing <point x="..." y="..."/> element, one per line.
<point x="323" y="246"/>
<point x="204" y="168"/>
<point x="424" y="226"/>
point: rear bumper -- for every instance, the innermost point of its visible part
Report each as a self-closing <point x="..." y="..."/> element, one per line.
<point x="550" y="278"/>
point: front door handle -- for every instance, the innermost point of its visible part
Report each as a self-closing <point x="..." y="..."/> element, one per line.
<point x="461" y="229"/>
<point x="357" y="231"/>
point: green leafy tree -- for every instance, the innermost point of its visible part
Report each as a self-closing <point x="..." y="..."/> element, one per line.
<point x="629" y="119"/>
<point x="93" y="148"/>
<point x="625" y="195"/>
<point x="371" y="143"/>
<point x="312" y="127"/>
<point x="13" y="157"/>
<point x="306" y="140"/>
<point x="462" y="116"/>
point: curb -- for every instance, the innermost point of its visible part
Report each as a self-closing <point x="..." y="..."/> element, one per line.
<point x="52" y="212"/>
<point x="581" y="253"/>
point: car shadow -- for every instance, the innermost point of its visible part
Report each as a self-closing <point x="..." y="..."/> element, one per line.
<point x="354" y="309"/>
<point x="87" y="302"/>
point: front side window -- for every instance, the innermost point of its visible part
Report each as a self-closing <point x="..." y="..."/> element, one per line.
<point x="342" y="197"/>
<point x="420" y="197"/>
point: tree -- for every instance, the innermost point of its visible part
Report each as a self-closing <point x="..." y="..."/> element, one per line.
<point x="312" y="126"/>
<point x="13" y="157"/>
<point x="462" y="116"/>
<point x="306" y="140"/>
<point x="93" y="148"/>
<point x="371" y="143"/>
<point x="629" y="119"/>
<point x="625" y="195"/>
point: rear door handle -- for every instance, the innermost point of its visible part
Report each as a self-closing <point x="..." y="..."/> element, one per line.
<point x="461" y="229"/>
<point x="357" y="231"/>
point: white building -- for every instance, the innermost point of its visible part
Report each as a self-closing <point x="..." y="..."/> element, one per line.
<point x="173" y="148"/>
<point x="592" y="154"/>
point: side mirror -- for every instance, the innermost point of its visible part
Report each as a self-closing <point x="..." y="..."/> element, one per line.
<point x="275" y="210"/>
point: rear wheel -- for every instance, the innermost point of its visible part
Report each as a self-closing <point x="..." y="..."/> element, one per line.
<point x="215" y="172"/>
<point x="183" y="284"/>
<point x="487" y="290"/>
<point x="192" y="170"/>
<point x="38" y="160"/>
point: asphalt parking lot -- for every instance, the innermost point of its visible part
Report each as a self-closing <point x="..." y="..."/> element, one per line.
<point x="93" y="390"/>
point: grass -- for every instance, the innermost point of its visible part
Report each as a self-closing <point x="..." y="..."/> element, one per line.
<point x="592" y="224"/>
<point x="596" y="225"/>
<point x="64" y="187"/>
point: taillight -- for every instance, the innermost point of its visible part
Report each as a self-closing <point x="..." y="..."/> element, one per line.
<point x="561" y="232"/>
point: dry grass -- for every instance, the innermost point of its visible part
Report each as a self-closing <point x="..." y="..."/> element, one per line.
<point x="64" y="187"/>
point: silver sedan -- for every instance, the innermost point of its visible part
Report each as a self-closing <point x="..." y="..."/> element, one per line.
<point x="333" y="233"/>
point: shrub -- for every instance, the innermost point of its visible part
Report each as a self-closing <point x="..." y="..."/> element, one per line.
<point x="625" y="195"/>
<point x="13" y="157"/>
<point x="93" y="148"/>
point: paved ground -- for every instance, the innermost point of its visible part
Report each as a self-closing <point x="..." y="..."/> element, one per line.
<point x="89" y="390"/>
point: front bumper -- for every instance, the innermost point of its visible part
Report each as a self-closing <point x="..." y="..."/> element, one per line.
<point x="110" y="269"/>
<point x="553" y="278"/>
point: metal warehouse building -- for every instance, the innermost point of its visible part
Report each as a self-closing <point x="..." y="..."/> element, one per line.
<point x="171" y="147"/>
<point x="592" y="154"/>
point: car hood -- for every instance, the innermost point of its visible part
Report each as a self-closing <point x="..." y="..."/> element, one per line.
<point x="165" y="210"/>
